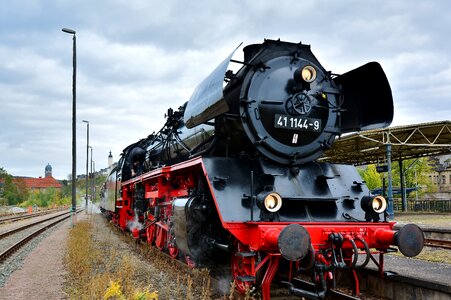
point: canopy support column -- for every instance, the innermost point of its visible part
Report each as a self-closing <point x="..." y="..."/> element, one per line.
<point x="403" y="186"/>
<point x="390" y="183"/>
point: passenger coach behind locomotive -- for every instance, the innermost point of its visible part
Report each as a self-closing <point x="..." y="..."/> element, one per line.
<point x="234" y="169"/>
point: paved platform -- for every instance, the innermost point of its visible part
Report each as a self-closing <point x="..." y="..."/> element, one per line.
<point x="431" y="271"/>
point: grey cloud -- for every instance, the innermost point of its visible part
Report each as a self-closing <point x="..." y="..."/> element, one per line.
<point x="137" y="59"/>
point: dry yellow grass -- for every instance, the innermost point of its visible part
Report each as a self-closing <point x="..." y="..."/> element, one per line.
<point x="98" y="268"/>
<point x="431" y="254"/>
<point x="435" y="255"/>
<point x="91" y="273"/>
<point x="426" y="219"/>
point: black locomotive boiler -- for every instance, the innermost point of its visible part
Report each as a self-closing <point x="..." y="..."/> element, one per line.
<point x="232" y="178"/>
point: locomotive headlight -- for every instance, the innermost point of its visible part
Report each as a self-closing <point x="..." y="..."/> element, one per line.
<point x="308" y="74"/>
<point x="377" y="204"/>
<point x="271" y="201"/>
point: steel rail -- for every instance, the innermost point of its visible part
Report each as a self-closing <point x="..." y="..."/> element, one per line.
<point x="9" y="232"/>
<point x="438" y="243"/>
<point x="25" y="216"/>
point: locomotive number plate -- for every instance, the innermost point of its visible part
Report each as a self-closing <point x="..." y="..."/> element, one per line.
<point x="297" y="123"/>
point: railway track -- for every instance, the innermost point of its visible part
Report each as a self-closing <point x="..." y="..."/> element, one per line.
<point x="14" y="230"/>
<point x="9" y="242"/>
<point x="437" y="237"/>
<point x="445" y="244"/>
<point x="308" y="286"/>
<point x="24" y="216"/>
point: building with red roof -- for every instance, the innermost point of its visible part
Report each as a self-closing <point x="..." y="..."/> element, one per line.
<point x="40" y="184"/>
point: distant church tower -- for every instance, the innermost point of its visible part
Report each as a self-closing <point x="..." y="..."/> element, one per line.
<point x="48" y="171"/>
<point x="110" y="160"/>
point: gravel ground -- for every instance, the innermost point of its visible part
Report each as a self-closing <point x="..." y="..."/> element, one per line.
<point x="37" y="272"/>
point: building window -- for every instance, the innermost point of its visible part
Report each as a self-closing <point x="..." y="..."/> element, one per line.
<point x="443" y="179"/>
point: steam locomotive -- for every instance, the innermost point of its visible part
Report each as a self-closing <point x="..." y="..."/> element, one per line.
<point x="232" y="178"/>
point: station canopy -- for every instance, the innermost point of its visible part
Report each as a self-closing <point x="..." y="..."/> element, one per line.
<point x="410" y="141"/>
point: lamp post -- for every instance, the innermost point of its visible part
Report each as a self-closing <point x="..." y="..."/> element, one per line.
<point x="90" y="187"/>
<point x="74" y="136"/>
<point x="93" y="182"/>
<point x="87" y="159"/>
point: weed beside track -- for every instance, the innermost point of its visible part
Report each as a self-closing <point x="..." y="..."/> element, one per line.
<point x="103" y="264"/>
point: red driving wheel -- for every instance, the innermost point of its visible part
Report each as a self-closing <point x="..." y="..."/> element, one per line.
<point x="150" y="234"/>
<point x="160" y="240"/>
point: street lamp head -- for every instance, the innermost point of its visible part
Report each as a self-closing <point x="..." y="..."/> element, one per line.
<point x="84" y="121"/>
<point x="67" y="30"/>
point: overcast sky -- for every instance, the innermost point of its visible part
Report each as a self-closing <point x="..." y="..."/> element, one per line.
<point x="135" y="59"/>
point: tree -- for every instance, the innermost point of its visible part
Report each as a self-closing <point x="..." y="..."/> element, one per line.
<point x="46" y="198"/>
<point x="3" y="175"/>
<point x="9" y="190"/>
<point x="12" y="190"/>
<point x="22" y="191"/>
<point x="415" y="173"/>
<point x="372" y="178"/>
<point x="66" y="189"/>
